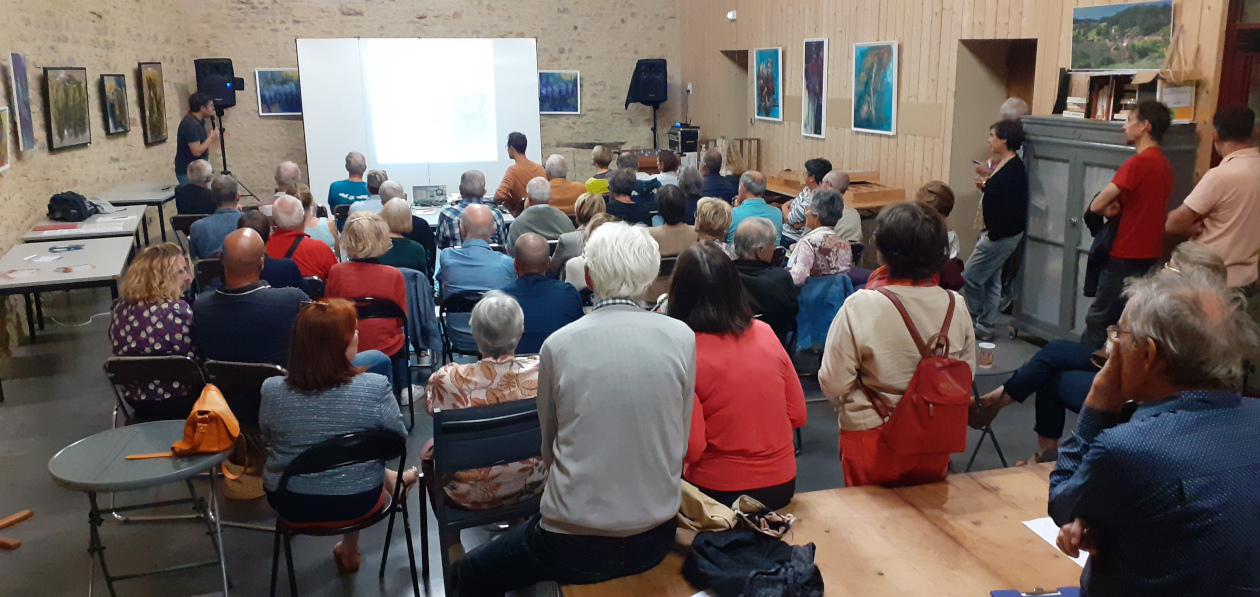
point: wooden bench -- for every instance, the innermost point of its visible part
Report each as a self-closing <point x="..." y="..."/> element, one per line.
<point x="963" y="536"/>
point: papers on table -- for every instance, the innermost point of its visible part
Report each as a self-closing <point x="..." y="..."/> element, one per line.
<point x="1046" y="529"/>
<point x="95" y="228"/>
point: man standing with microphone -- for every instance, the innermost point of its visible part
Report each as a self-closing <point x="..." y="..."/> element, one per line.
<point x="192" y="142"/>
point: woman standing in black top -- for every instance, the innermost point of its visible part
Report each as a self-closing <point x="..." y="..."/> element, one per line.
<point x="1004" y="208"/>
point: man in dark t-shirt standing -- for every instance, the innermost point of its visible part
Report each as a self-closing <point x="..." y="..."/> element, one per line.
<point x="191" y="141"/>
<point x="1138" y="194"/>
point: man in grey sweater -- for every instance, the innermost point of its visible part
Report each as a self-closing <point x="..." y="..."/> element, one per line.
<point x="615" y="395"/>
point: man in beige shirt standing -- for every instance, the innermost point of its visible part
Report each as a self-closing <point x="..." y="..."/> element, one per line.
<point x="1223" y="210"/>
<point x="511" y="191"/>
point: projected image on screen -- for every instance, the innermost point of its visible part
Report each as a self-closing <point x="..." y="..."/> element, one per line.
<point x="430" y="100"/>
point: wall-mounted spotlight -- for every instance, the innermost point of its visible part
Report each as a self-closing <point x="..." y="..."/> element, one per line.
<point x="730" y="16"/>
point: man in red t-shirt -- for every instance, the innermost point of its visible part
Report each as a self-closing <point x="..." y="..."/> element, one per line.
<point x="1138" y="194"/>
<point x="288" y="240"/>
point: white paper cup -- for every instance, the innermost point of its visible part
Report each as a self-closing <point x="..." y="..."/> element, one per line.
<point x="984" y="354"/>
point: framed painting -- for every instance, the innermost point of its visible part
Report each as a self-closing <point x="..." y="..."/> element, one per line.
<point x="152" y="103"/>
<point x="814" y="93"/>
<point x="279" y="91"/>
<point x="768" y="84"/>
<point x="67" y="107"/>
<point x="6" y="149"/>
<point x="20" y="84"/>
<point x="1121" y="36"/>
<point x="559" y="92"/>
<point x="114" y="104"/>
<point x="875" y="88"/>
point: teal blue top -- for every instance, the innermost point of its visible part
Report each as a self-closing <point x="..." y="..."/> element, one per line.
<point x="346" y="191"/>
<point x="756" y="207"/>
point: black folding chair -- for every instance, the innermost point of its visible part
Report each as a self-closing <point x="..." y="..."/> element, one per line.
<point x="667" y="266"/>
<point x="459" y="303"/>
<point x="473" y="438"/>
<point x="498" y="247"/>
<point x="551" y="246"/>
<point x="340" y="213"/>
<point x="321" y="211"/>
<point x="857" y="252"/>
<point x="379" y="308"/>
<point x="206" y="271"/>
<point x="345" y="450"/>
<point x="780" y="256"/>
<point x="138" y="372"/>
<point x="183" y="224"/>
<point x="241" y="384"/>
<point x="314" y="287"/>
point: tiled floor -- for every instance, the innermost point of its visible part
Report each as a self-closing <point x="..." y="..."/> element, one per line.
<point x="56" y="394"/>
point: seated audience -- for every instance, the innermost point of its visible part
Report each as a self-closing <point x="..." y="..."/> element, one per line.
<point x="862" y="345"/>
<point x="821" y="252"/>
<point x="500" y="376"/>
<point x="673" y="237"/>
<point x="539" y="217"/>
<point x="601" y="158"/>
<point x="771" y="293"/>
<point x="403" y="251"/>
<point x="938" y="195"/>
<point x="288" y="175"/>
<point x="715" y="185"/>
<point x="1061" y="373"/>
<point x="290" y="241"/>
<point x="575" y="268"/>
<point x="645" y="184"/>
<point x="741" y="444"/>
<point x="548" y="304"/>
<point x="194" y="197"/>
<point x="667" y="163"/>
<point x="472" y="189"/>
<point x="622" y="203"/>
<point x="511" y="192"/>
<point x="1165" y="496"/>
<point x="278" y="273"/>
<point x="570" y="244"/>
<point x="615" y="396"/>
<point x="205" y="237"/>
<point x="365" y="239"/>
<point x="713" y="220"/>
<point x="471" y="268"/>
<point x="325" y="396"/>
<point x="320" y="229"/>
<point x="151" y="319"/>
<point x="564" y="192"/>
<point x="692" y="184"/>
<point x="748" y="203"/>
<point x="388" y="190"/>
<point x="353" y="189"/>
<point x="796" y="210"/>
<point x="850" y="225"/>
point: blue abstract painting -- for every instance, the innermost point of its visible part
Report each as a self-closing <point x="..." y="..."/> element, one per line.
<point x="559" y="92"/>
<point x="769" y="83"/>
<point x="875" y="88"/>
<point x="279" y="92"/>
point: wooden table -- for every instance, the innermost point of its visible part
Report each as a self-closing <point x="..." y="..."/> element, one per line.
<point x="963" y="536"/>
<point x="148" y="194"/>
<point x="124" y="221"/>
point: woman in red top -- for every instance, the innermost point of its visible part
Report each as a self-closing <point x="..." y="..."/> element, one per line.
<point x="746" y="388"/>
<point x="364" y="239"/>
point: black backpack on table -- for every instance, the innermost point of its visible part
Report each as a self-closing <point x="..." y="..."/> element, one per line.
<point x="69" y="206"/>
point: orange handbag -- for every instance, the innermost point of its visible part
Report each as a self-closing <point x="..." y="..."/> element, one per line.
<point x="211" y="428"/>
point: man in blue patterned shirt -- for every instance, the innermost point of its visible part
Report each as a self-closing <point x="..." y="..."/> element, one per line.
<point x="472" y="189"/>
<point x="1166" y="497"/>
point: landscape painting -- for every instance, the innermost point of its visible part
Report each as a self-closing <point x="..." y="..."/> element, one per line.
<point x="814" y="98"/>
<point x="152" y="103"/>
<point x="559" y="92"/>
<point x="1128" y="36"/>
<point x="875" y="87"/>
<point x="768" y="83"/>
<point x="67" y="103"/>
<point x="6" y="150"/>
<point x="114" y="104"/>
<point x="20" y="83"/>
<point x="279" y="92"/>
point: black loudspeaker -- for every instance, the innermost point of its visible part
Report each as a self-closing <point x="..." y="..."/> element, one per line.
<point x="216" y="78"/>
<point x="650" y="84"/>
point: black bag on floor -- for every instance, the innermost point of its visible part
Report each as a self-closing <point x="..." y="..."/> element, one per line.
<point x="69" y="206"/>
<point x="750" y="564"/>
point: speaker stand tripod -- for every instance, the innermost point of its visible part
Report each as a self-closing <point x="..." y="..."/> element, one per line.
<point x="655" y="144"/>
<point x="223" y="154"/>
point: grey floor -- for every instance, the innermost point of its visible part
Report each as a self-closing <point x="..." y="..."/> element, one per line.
<point x="56" y="394"/>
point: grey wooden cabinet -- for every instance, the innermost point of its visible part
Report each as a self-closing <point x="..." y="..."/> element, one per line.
<point x="1069" y="161"/>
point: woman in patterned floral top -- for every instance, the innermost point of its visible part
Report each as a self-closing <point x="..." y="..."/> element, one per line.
<point x="500" y="376"/>
<point x="151" y="319"/>
<point x="821" y="252"/>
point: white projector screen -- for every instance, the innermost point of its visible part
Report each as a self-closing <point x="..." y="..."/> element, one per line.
<point x="425" y="110"/>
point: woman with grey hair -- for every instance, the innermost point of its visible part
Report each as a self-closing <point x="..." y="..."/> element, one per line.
<point x="821" y="252"/>
<point x="500" y="376"/>
<point x="691" y="181"/>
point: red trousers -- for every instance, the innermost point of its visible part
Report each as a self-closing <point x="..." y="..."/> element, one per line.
<point x="866" y="461"/>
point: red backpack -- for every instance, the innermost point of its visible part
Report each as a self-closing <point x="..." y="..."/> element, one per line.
<point x="931" y="417"/>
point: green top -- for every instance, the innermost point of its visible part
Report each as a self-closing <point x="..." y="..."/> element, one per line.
<point x="406" y="253"/>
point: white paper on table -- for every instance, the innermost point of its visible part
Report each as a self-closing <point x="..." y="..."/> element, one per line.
<point x="1046" y="529"/>
<point x="115" y="218"/>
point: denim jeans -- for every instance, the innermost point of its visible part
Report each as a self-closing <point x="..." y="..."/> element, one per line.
<point x="1109" y="299"/>
<point x="982" y="278"/>
<point x="375" y="361"/>
<point x="528" y="555"/>
<point x="182" y="178"/>
<point x="1060" y="374"/>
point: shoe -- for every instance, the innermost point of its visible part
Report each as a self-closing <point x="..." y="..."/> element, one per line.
<point x="346" y="564"/>
<point x="982" y="336"/>
<point x="1051" y="455"/>
<point x="979" y="417"/>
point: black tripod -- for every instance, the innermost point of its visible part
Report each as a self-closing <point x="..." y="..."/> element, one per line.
<point x="223" y="154"/>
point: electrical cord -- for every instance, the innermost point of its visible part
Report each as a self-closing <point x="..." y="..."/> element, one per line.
<point x="77" y="325"/>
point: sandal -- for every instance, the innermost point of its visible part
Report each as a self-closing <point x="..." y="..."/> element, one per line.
<point x="407" y="485"/>
<point x="346" y="564"/>
<point x="1051" y="455"/>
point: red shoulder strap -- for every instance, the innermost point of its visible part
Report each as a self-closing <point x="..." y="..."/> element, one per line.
<point x="905" y="317"/>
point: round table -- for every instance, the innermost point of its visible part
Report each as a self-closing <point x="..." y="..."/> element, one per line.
<point x="99" y="464"/>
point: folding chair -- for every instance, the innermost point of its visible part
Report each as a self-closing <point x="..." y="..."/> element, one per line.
<point x="314" y="287"/>
<point x="206" y="271"/>
<point x="551" y="246"/>
<point x="667" y="266"/>
<point x="241" y="384"/>
<point x="340" y="213"/>
<point x="462" y="303"/>
<point x="331" y="454"/>
<point x="500" y="248"/>
<point x="986" y="432"/>
<point x="378" y="308"/>
<point x="779" y="257"/>
<point x="183" y="224"/>
<point x="321" y="211"/>
<point x="474" y="438"/>
<point x="857" y="252"/>
<point x="139" y="371"/>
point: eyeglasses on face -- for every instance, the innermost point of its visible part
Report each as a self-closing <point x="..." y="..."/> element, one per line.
<point x="1114" y="332"/>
